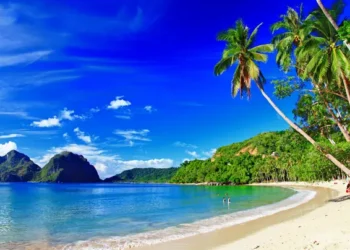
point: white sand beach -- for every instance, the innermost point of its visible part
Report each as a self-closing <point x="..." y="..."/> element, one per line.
<point x="327" y="227"/>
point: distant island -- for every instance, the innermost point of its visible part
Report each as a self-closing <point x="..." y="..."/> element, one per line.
<point x="272" y="156"/>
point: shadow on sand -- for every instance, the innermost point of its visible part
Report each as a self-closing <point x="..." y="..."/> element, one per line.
<point x="340" y="199"/>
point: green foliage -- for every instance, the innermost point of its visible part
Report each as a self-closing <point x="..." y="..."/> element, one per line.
<point x="68" y="168"/>
<point x="15" y="167"/>
<point x="275" y="156"/>
<point x="144" y="175"/>
<point x="344" y="31"/>
<point x="240" y="49"/>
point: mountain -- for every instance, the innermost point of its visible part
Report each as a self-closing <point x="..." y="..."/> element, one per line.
<point x="68" y="168"/>
<point x="144" y="175"/>
<point x="17" y="167"/>
<point x="272" y="156"/>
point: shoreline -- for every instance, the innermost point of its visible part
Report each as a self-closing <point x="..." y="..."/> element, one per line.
<point x="230" y="231"/>
<point x="229" y="235"/>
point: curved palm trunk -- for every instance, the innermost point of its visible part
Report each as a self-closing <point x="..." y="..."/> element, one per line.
<point x="346" y="86"/>
<point x="306" y="136"/>
<point x="330" y="19"/>
<point x="342" y="129"/>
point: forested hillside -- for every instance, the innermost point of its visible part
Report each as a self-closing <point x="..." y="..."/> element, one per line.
<point x="273" y="156"/>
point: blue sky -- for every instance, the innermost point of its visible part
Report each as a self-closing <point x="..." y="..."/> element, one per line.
<point x="128" y="83"/>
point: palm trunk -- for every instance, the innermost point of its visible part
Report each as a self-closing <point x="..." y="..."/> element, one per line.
<point x="346" y="86"/>
<point x="306" y="136"/>
<point x="330" y="19"/>
<point x="343" y="130"/>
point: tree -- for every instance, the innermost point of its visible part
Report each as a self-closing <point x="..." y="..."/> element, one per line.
<point x="330" y="19"/>
<point x="239" y="49"/>
<point x="293" y="35"/>
<point x="296" y="41"/>
<point x="323" y="55"/>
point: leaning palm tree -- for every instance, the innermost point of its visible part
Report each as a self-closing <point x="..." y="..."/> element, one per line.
<point x="330" y="19"/>
<point x="240" y="50"/>
<point x="324" y="55"/>
<point x="293" y="34"/>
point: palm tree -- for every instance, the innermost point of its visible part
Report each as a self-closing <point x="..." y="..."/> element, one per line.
<point x="330" y="19"/>
<point x="294" y="42"/>
<point x="239" y="49"/>
<point x="324" y="55"/>
<point x="293" y="35"/>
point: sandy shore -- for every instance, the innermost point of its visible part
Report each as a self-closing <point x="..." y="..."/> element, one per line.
<point x="327" y="227"/>
<point x="317" y="224"/>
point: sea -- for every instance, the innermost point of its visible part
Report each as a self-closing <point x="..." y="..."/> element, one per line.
<point x="128" y="215"/>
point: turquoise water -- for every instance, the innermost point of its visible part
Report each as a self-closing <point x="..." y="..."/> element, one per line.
<point x="61" y="214"/>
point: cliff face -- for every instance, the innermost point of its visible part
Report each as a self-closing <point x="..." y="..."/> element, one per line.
<point x="68" y="168"/>
<point x="17" y="167"/>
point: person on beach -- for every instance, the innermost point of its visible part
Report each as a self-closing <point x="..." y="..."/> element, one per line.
<point x="348" y="188"/>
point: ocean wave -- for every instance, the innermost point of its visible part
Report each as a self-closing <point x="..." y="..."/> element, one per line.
<point x="198" y="227"/>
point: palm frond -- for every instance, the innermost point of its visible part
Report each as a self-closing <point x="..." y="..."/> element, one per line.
<point x="223" y="65"/>
<point x="264" y="48"/>
<point x="253" y="35"/>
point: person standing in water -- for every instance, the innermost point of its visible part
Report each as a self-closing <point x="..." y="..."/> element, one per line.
<point x="228" y="200"/>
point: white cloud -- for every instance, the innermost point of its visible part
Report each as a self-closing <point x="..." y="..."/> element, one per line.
<point x="123" y="117"/>
<point x="92" y="153"/>
<point x="11" y="136"/>
<point x="106" y="164"/>
<point x="100" y="167"/>
<point x="7" y="147"/>
<point x="66" y="114"/>
<point x="193" y="153"/>
<point x="149" y="109"/>
<point x="65" y="135"/>
<point x="154" y="163"/>
<point x="184" y="145"/>
<point x="210" y="153"/>
<point x="95" y="110"/>
<point x="81" y="135"/>
<point x="24" y="58"/>
<point x="133" y="135"/>
<point x="50" y="122"/>
<point x="119" y="102"/>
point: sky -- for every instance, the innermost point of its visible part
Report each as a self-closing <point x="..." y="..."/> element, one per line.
<point x="129" y="83"/>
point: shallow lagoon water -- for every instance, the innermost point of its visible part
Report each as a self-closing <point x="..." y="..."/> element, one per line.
<point x="67" y="213"/>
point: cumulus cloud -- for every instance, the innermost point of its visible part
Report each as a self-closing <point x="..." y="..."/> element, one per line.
<point x="210" y="153"/>
<point x="193" y="153"/>
<point x="184" y="145"/>
<point x="47" y="123"/>
<point x="149" y="108"/>
<point x="133" y="135"/>
<point x="7" y="147"/>
<point x="106" y="164"/>
<point x="154" y="163"/>
<point x="11" y="136"/>
<point x="81" y="135"/>
<point x="92" y="153"/>
<point x="95" y="110"/>
<point x="66" y="114"/>
<point x="65" y="136"/>
<point x="119" y="102"/>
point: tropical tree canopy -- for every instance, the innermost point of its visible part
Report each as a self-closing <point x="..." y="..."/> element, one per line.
<point x="241" y="49"/>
